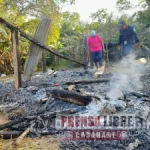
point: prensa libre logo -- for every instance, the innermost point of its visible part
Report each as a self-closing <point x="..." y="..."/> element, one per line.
<point x="98" y="127"/>
<point x="95" y="135"/>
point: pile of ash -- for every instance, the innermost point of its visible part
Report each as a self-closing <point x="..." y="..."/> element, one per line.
<point x="118" y="96"/>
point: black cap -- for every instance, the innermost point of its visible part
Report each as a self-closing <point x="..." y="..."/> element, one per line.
<point x="121" y="23"/>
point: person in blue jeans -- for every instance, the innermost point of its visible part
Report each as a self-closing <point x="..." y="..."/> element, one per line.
<point x="97" y="58"/>
<point x="127" y="38"/>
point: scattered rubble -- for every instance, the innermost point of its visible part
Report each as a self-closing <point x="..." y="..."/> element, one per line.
<point x="32" y="88"/>
<point x="109" y="109"/>
<point x="134" y="145"/>
<point x="43" y="97"/>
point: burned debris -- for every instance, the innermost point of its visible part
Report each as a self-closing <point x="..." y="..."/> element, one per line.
<point x="46" y="97"/>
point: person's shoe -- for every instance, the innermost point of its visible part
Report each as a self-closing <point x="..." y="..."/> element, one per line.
<point x="94" y="66"/>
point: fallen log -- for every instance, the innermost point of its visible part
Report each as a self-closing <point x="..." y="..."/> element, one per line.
<point x="11" y="123"/>
<point x="71" y="97"/>
<point x="138" y="95"/>
<point x="90" y="81"/>
<point x="9" y="135"/>
<point x="34" y="116"/>
<point x="146" y="99"/>
<point x="35" y="52"/>
<point x="65" y="111"/>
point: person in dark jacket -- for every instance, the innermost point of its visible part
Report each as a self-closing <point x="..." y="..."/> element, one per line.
<point x="128" y="38"/>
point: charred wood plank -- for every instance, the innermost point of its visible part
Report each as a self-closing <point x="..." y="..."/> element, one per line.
<point x="14" y="122"/>
<point x="11" y="123"/>
<point x="65" y="111"/>
<point x="9" y="135"/>
<point x="146" y="99"/>
<point x="71" y="97"/>
<point x="88" y="81"/>
<point x="138" y="95"/>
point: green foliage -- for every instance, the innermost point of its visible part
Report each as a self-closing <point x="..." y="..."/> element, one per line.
<point x="67" y="32"/>
<point x="100" y="15"/>
<point x="106" y="25"/>
<point x="64" y="64"/>
<point x="124" y="5"/>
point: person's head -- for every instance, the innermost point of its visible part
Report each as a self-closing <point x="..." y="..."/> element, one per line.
<point x="122" y="25"/>
<point x="93" y="33"/>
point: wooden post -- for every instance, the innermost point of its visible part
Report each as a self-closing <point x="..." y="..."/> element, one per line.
<point x="16" y="62"/>
<point x="85" y="52"/>
<point x="107" y="54"/>
<point x="44" y="61"/>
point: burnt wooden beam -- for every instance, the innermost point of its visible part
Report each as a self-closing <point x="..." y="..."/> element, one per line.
<point x="11" y="123"/>
<point x="138" y="95"/>
<point x="35" y="116"/>
<point x="71" y="97"/>
<point x="90" y="81"/>
<point x="9" y="135"/>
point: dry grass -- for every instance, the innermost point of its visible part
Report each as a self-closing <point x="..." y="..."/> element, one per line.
<point x="43" y="143"/>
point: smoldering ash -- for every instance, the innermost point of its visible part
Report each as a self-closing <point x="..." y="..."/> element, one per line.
<point x="129" y="80"/>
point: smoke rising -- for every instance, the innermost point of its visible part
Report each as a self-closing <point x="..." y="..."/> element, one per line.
<point x="128" y="77"/>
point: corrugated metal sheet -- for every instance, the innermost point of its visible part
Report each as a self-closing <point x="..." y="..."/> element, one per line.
<point x="35" y="52"/>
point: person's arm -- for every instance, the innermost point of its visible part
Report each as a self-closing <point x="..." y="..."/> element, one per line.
<point x="136" y="37"/>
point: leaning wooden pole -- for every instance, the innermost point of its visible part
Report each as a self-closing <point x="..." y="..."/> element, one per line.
<point x="16" y="62"/>
<point x="35" y="52"/>
<point x="85" y="51"/>
<point x="107" y="54"/>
